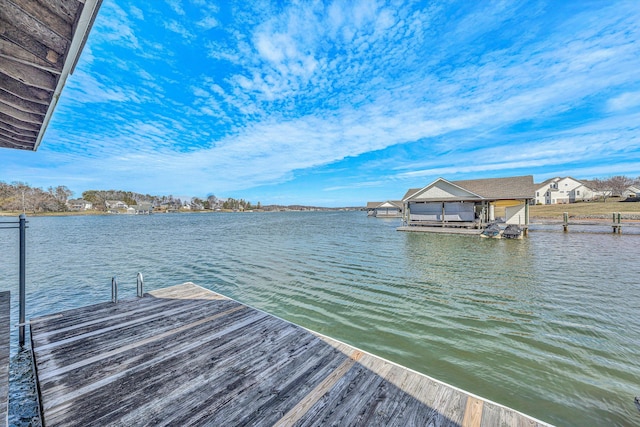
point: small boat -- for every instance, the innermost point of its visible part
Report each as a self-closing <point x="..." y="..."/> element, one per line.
<point x="492" y="230"/>
<point x="512" y="232"/>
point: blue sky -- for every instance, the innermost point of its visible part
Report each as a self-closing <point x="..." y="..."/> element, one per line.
<point x="342" y="102"/>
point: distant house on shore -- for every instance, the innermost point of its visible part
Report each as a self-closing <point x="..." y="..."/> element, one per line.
<point x="562" y="190"/>
<point x="388" y="209"/>
<point x="631" y="192"/>
<point x="115" y="204"/>
<point x="142" y="208"/>
<point x="469" y="203"/>
<point x="79" y="205"/>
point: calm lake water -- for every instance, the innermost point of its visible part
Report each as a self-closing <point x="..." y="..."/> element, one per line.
<point x="547" y="325"/>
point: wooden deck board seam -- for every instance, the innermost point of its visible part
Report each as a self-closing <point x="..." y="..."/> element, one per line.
<point x="75" y="394"/>
<point x="334" y="342"/>
<point x="97" y="332"/>
<point x="472" y="413"/>
<point x="188" y="380"/>
<point x="64" y="369"/>
<point x="298" y="411"/>
<point x="123" y="314"/>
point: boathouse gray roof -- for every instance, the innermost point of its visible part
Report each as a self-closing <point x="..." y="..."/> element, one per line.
<point x="40" y="43"/>
<point x="396" y="203"/>
<point x="510" y="188"/>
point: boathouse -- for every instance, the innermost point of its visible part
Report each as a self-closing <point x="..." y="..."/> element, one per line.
<point x="388" y="209"/>
<point x="469" y="203"/>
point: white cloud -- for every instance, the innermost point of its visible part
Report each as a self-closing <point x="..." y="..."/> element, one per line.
<point x="176" y="6"/>
<point x="303" y="85"/>
<point x="178" y="28"/>
<point x="624" y="101"/>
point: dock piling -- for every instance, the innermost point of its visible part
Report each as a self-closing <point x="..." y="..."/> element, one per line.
<point x="565" y="218"/>
<point x="617" y="223"/>
<point x="114" y="290"/>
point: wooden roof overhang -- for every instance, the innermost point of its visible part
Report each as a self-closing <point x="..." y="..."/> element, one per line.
<point x="40" y="44"/>
<point x="468" y="199"/>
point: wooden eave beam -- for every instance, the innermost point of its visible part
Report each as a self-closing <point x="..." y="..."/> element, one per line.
<point x="4" y="142"/>
<point x="24" y="21"/>
<point x="19" y="124"/>
<point x="17" y="138"/>
<point x="23" y="91"/>
<point x="22" y="45"/>
<point x="12" y="130"/>
<point x="22" y="104"/>
<point x="66" y="9"/>
<point x="39" y="11"/>
<point x="28" y="75"/>
<point x="21" y="115"/>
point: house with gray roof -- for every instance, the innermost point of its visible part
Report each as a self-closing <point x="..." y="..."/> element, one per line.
<point x="631" y="192"/>
<point x="562" y="190"/>
<point x="79" y="205"/>
<point x="469" y="203"/>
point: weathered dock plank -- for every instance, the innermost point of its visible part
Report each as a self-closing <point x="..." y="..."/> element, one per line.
<point x="5" y="332"/>
<point x="184" y="355"/>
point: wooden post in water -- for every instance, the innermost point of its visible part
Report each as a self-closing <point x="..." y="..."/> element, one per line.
<point x="565" y="218"/>
<point x="617" y="222"/>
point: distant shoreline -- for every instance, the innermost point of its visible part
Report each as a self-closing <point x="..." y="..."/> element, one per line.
<point x="577" y="211"/>
<point x="102" y="213"/>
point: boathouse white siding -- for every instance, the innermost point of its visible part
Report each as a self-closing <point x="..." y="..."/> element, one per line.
<point x="516" y="214"/>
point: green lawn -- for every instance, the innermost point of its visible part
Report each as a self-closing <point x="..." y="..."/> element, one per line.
<point x="586" y="209"/>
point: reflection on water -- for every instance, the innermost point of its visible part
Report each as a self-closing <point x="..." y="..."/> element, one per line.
<point x="547" y="325"/>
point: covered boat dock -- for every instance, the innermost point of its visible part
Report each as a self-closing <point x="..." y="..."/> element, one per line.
<point x="470" y="204"/>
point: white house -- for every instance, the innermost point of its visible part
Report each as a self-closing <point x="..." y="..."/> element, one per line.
<point x="562" y="190"/>
<point x="79" y="205"/>
<point x="631" y="192"/>
<point x="115" y="204"/>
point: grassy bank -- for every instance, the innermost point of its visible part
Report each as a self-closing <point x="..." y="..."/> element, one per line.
<point x="587" y="210"/>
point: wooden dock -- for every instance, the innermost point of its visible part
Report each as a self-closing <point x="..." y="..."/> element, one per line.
<point x="440" y="229"/>
<point x="5" y="329"/>
<point x="185" y="355"/>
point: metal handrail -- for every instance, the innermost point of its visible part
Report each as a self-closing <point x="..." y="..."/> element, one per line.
<point x="21" y="224"/>
<point x="140" y="285"/>
<point x="114" y="290"/>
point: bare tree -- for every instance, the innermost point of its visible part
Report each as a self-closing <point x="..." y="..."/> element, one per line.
<point x="61" y="194"/>
<point x="618" y="184"/>
<point x="602" y="188"/>
<point x="213" y="201"/>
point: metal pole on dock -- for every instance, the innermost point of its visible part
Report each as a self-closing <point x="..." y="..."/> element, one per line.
<point x="23" y="269"/>
<point x="114" y="290"/>
<point x="140" y="285"/>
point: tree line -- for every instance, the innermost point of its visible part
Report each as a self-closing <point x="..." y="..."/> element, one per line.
<point x="19" y="196"/>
